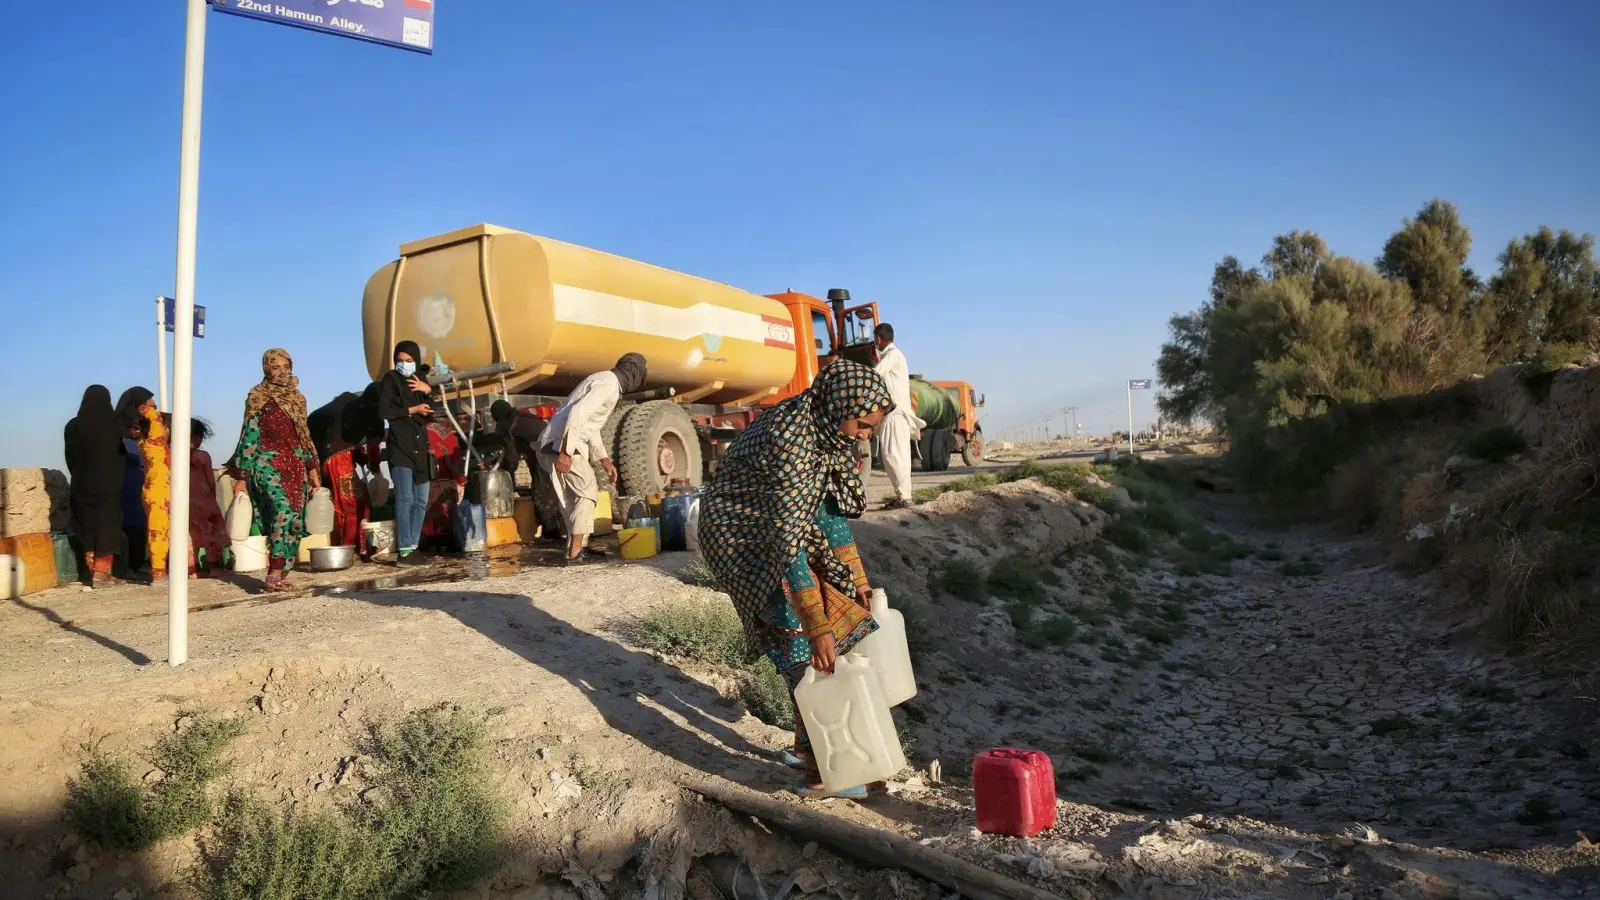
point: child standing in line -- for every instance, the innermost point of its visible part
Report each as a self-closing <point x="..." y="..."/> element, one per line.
<point x="206" y="529"/>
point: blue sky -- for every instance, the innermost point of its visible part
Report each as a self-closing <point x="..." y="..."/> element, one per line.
<point x="1028" y="189"/>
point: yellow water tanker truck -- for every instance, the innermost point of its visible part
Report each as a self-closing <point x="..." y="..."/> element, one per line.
<point x="557" y="313"/>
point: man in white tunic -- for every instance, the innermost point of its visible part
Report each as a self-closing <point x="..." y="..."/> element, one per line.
<point x="899" y="427"/>
<point x="571" y="446"/>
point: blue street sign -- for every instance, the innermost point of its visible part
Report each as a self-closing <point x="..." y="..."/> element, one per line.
<point x="169" y="307"/>
<point x="1142" y="384"/>
<point x="406" y="24"/>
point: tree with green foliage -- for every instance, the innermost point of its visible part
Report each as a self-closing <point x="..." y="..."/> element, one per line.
<point x="1309" y="329"/>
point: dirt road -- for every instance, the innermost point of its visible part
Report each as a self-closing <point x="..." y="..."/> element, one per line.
<point x="1322" y="735"/>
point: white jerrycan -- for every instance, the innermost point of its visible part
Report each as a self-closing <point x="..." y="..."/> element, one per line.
<point x="241" y="517"/>
<point x="888" y="653"/>
<point x="852" y="734"/>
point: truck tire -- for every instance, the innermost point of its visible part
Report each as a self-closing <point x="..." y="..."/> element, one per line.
<point x="657" y="443"/>
<point x="934" y="449"/>
<point x="972" y="451"/>
<point x="944" y="444"/>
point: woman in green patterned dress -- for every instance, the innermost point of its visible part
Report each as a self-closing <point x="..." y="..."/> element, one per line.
<point x="276" y="461"/>
<point x="774" y="529"/>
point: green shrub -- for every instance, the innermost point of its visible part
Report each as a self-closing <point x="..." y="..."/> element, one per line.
<point x="698" y="572"/>
<point x="963" y="579"/>
<point x="1121" y="599"/>
<point x="968" y="483"/>
<point x="439" y="830"/>
<point x="706" y="632"/>
<point x="1016" y="577"/>
<point x="1127" y="534"/>
<point x="1103" y="552"/>
<point x="1058" y="630"/>
<point x="1021" y="613"/>
<point x="1300" y="569"/>
<point x="1496" y="444"/>
<point x="106" y="804"/>
<point x="766" y="694"/>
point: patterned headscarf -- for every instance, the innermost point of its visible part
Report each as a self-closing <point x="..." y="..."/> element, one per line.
<point x="284" y="391"/>
<point x="760" y="509"/>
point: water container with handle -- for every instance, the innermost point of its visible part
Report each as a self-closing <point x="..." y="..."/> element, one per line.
<point x="499" y="494"/>
<point x="888" y="652"/>
<point x="241" y="517"/>
<point x="852" y="734"/>
<point x="691" y="528"/>
<point x="378" y="489"/>
<point x="319" y="512"/>
<point x="13" y="576"/>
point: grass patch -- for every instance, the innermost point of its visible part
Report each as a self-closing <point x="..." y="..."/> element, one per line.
<point x="1055" y="631"/>
<point x="764" y="692"/>
<point x="698" y="572"/>
<point x="1157" y="633"/>
<point x="1121" y="599"/>
<point x="1391" y="725"/>
<point x="438" y="830"/>
<point x="963" y="579"/>
<point x="106" y="803"/>
<point x="969" y="483"/>
<point x="707" y="632"/>
<point x="1300" y="569"/>
<point x="1107" y="557"/>
<point x="1016" y="577"/>
<point x="1124" y="532"/>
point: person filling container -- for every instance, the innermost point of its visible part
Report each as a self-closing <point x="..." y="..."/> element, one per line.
<point x="773" y="529"/>
<point x="571" y="445"/>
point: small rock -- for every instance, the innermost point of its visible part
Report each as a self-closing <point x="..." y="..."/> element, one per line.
<point x="125" y="894"/>
<point x="316" y="693"/>
<point x="324" y="786"/>
<point x="183" y="722"/>
<point x="809" y="851"/>
<point x="275" y="674"/>
<point x="79" y="873"/>
<point x="154" y="776"/>
<point x="1331" y="761"/>
<point x="81" y="854"/>
<point x="935" y="773"/>
<point x="124" y="869"/>
<point x="68" y="841"/>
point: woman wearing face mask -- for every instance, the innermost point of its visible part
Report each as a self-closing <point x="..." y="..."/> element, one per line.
<point x="403" y="403"/>
<point x="774" y="529"/>
<point x="276" y="462"/>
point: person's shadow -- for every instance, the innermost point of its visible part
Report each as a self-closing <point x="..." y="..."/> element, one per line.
<point x="132" y="655"/>
<point x="616" y="680"/>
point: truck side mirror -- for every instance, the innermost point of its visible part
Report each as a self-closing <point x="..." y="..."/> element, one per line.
<point x="982" y="398"/>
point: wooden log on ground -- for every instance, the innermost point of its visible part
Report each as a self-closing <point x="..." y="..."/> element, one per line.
<point x="872" y="846"/>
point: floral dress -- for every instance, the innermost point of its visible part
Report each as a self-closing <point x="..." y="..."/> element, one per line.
<point x="272" y="460"/>
<point x="156" y="450"/>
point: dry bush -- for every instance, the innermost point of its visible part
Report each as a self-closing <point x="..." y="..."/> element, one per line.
<point x="1531" y="546"/>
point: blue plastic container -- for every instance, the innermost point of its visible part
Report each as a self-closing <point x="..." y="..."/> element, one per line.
<point x="472" y="527"/>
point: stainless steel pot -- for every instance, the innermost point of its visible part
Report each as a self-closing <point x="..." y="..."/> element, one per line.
<point x="332" y="559"/>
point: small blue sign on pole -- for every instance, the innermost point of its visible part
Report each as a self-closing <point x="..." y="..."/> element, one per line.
<point x="169" y="306"/>
<point x="1138" y="384"/>
<point x="406" y="24"/>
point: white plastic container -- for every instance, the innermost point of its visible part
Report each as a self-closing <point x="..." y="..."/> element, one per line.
<point x="250" y="554"/>
<point x="13" y="576"/>
<point x="888" y="652"/>
<point x="847" y="718"/>
<point x="241" y="516"/>
<point x="380" y="536"/>
<point x="691" y="527"/>
<point x="319" y="511"/>
<point x="378" y="489"/>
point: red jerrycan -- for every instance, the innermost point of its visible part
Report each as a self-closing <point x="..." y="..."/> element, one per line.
<point x="1015" y="792"/>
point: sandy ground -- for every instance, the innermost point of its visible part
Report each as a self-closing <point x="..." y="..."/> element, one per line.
<point x="1311" y="737"/>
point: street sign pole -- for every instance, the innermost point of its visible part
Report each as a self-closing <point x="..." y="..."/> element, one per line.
<point x="161" y="353"/>
<point x="194" y="65"/>
<point x="1130" y="418"/>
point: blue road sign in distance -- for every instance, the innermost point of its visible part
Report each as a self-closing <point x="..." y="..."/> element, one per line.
<point x="169" y="307"/>
<point x="1142" y="384"/>
<point x="406" y="24"/>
